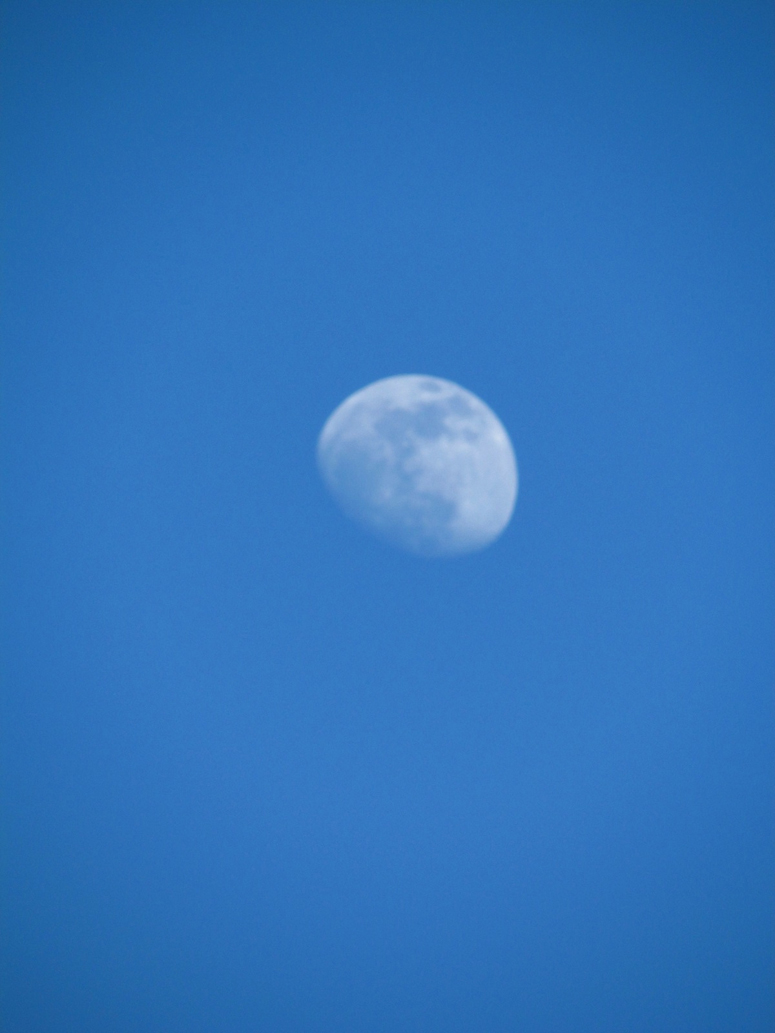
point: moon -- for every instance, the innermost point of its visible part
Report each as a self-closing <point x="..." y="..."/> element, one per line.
<point x="421" y="463"/>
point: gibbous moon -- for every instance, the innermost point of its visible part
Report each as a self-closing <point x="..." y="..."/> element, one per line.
<point x="421" y="463"/>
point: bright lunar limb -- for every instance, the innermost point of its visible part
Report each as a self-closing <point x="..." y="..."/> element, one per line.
<point x="422" y="463"/>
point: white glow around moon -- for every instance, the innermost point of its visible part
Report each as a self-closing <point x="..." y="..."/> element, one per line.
<point x="422" y="463"/>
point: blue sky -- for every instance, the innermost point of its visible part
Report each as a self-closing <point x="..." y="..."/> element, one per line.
<point x="261" y="772"/>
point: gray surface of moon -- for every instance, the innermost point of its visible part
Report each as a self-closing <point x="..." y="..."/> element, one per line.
<point x="422" y="463"/>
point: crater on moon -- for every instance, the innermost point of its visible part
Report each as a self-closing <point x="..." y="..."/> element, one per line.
<point x="422" y="463"/>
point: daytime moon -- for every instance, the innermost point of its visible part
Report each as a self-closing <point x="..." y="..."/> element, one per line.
<point x="422" y="463"/>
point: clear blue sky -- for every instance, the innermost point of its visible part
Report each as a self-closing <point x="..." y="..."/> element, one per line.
<point x="261" y="774"/>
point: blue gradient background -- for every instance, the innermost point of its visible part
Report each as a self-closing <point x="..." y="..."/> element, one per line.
<point x="260" y="772"/>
